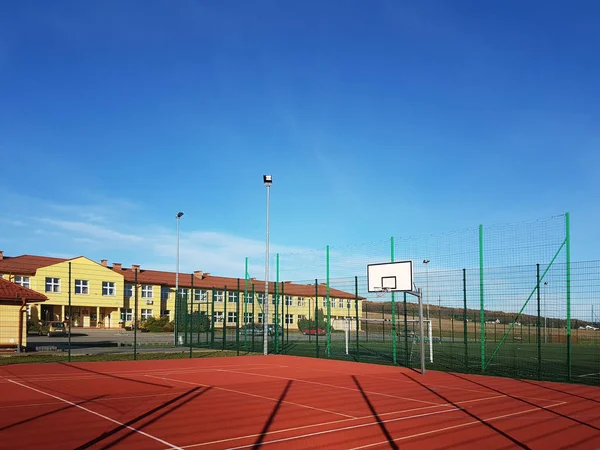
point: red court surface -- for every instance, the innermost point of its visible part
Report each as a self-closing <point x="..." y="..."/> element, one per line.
<point x="285" y="402"/>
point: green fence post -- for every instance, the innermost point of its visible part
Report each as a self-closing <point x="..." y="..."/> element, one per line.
<point x="317" y="314"/>
<point x="135" y="318"/>
<point x="356" y="308"/>
<point x="191" y="318"/>
<point x="237" y="319"/>
<point x="568" y="280"/>
<point x="481" y="300"/>
<point x="70" y="313"/>
<point x="225" y="300"/>
<point x="406" y="355"/>
<point x="328" y="307"/>
<point x="212" y="317"/>
<point x="246" y="306"/>
<point x="538" y="323"/>
<point x="394" y="349"/>
<point x="466" y="330"/>
<point x="383" y="322"/>
<point x="276" y="318"/>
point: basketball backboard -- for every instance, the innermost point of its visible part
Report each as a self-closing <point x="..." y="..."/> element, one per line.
<point x="390" y="277"/>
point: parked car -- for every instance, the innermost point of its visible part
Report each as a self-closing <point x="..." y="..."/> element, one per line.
<point x="271" y="330"/>
<point x="255" y="330"/>
<point x="314" y="331"/>
<point x="53" y="329"/>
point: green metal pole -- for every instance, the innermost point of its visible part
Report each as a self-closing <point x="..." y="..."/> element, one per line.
<point x="317" y="314"/>
<point x="481" y="300"/>
<point x="253" y="316"/>
<point x="309" y="319"/>
<point x="276" y="320"/>
<point x="225" y="300"/>
<point x="286" y="316"/>
<point x="70" y="312"/>
<point x="246" y="324"/>
<point x="237" y="319"/>
<point x="382" y="323"/>
<point x="135" y="317"/>
<point x="465" y="330"/>
<point x="212" y="318"/>
<point x="539" y="331"/>
<point x="394" y="348"/>
<point x="328" y="308"/>
<point x="356" y="309"/>
<point x="568" y="251"/>
<point x="191" y="318"/>
<point x="406" y="354"/>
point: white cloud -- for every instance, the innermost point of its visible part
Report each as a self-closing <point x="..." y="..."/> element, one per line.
<point x="92" y="231"/>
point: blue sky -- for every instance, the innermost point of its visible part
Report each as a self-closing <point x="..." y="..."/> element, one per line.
<point x="376" y="119"/>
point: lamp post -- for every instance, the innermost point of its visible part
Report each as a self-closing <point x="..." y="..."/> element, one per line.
<point x="178" y="216"/>
<point x="545" y="314"/>
<point x="267" y="180"/>
<point x="426" y="262"/>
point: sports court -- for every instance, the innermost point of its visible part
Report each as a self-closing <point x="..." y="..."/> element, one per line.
<point x="288" y="402"/>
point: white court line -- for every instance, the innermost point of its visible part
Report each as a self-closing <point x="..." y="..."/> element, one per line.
<point x="429" y="385"/>
<point x="256" y="395"/>
<point x="321" y="384"/>
<point x="439" y="430"/>
<point x="588" y="375"/>
<point x="333" y="422"/>
<point x="135" y="430"/>
<point x="99" y="400"/>
<point x="352" y="427"/>
<point x="337" y="387"/>
<point x="74" y="377"/>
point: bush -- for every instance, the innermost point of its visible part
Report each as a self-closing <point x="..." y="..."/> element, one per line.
<point x="155" y="325"/>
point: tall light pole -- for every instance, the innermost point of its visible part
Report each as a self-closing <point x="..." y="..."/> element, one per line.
<point x="267" y="180"/>
<point x="178" y="216"/>
<point x="545" y="314"/>
<point x="426" y="262"/>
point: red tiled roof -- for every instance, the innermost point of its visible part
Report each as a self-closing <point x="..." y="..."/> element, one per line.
<point x="26" y="264"/>
<point x="13" y="292"/>
<point x="187" y="280"/>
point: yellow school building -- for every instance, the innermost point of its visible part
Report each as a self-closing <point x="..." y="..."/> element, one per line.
<point x="99" y="295"/>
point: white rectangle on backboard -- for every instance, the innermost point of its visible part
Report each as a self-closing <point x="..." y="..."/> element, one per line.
<point x="391" y="277"/>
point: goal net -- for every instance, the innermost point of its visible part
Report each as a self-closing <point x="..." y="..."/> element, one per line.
<point x="377" y="334"/>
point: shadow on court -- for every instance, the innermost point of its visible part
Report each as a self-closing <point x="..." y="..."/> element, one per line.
<point x="186" y="397"/>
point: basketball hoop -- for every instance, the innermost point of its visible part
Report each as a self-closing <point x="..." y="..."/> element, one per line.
<point x="382" y="291"/>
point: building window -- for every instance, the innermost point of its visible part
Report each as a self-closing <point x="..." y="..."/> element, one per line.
<point x="165" y="313"/>
<point x="147" y="291"/>
<point x="52" y="284"/>
<point x="300" y="301"/>
<point x="82" y="287"/>
<point x="218" y="316"/>
<point x="260" y="317"/>
<point x="301" y="316"/>
<point x="248" y="297"/>
<point x="274" y="299"/>
<point x="29" y="311"/>
<point x="232" y="297"/>
<point x="128" y="291"/>
<point x="108" y="288"/>
<point x="22" y="281"/>
<point x="183" y="293"/>
<point x="260" y="298"/>
<point x="348" y="303"/>
<point x="231" y="317"/>
<point x="126" y="314"/>
<point x="219" y="296"/>
<point x="333" y="303"/>
<point x="248" y="318"/>
<point x="200" y="295"/>
<point x="289" y="318"/>
<point x="289" y="301"/>
<point x="165" y="291"/>
<point x="324" y="302"/>
<point x="146" y="314"/>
